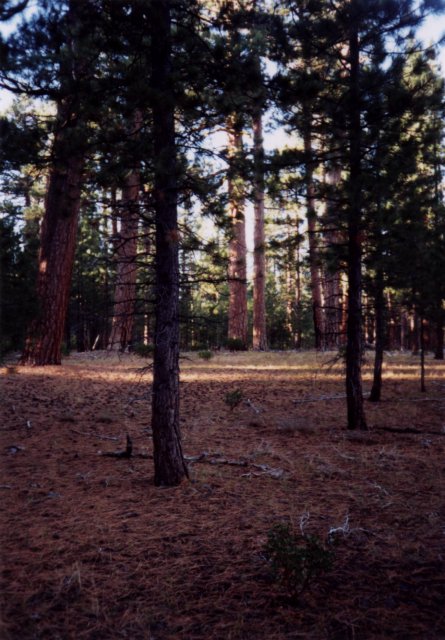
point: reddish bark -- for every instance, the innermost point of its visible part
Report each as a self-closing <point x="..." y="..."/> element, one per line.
<point x="237" y="272"/>
<point x="62" y="202"/>
<point x="259" y="256"/>
<point x="57" y="248"/>
<point x="317" y="311"/>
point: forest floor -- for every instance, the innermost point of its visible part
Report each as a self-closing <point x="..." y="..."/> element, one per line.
<point x="90" y="549"/>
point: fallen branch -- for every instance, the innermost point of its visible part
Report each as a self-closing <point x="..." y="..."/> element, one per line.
<point x="127" y="453"/>
<point x="94" y="435"/>
<point x="252" y="406"/>
<point x="217" y="458"/>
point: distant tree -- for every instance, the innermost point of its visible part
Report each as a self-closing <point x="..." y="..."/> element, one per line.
<point x="237" y="270"/>
<point x="126" y="244"/>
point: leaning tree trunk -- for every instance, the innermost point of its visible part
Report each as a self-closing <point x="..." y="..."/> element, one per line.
<point x="259" y="257"/>
<point x="170" y="467"/>
<point x="43" y="344"/>
<point x="237" y="271"/>
<point x="354" y="393"/>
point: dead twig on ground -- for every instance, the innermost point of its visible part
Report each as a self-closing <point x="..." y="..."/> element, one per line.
<point x="95" y="435"/>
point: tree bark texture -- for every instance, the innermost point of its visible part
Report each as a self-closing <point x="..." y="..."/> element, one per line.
<point x="62" y="201"/>
<point x="314" y="266"/>
<point x="170" y="467"/>
<point x="126" y="250"/>
<point x="237" y="271"/>
<point x="354" y="393"/>
<point x="57" y="248"/>
<point x="259" y="255"/>
<point x="126" y="271"/>
<point x="331" y="281"/>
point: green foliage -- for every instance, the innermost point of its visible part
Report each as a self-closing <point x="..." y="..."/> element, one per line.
<point x="233" y="398"/>
<point x="296" y="559"/>
<point x="235" y="344"/>
<point x="205" y="355"/>
<point x="144" y="350"/>
<point x="18" y="260"/>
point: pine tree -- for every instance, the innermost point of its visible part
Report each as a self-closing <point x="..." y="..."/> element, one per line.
<point x="170" y="467"/>
<point x="63" y="197"/>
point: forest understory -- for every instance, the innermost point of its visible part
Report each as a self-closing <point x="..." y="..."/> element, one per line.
<point x="90" y="549"/>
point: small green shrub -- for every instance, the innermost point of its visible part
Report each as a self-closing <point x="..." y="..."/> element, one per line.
<point x="144" y="350"/>
<point x="235" y="344"/>
<point x="233" y="398"/>
<point x="65" y="349"/>
<point x="296" y="559"/>
<point x="205" y="355"/>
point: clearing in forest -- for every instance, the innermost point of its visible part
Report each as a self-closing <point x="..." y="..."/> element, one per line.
<point x="91" y="549"/>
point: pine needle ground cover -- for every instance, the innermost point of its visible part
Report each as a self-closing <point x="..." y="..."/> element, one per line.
<point x="91" y="549"/>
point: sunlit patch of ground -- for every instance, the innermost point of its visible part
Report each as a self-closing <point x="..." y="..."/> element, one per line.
<point x="90" y="549"/>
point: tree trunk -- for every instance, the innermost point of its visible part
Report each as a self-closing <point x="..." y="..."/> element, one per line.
<point x="125" y="288"/>
<point x="438" y="353"/>
<point x="356" y="414"/>
<point x="317" y="304"/>
<point x="62" y="203"/>
<point x="170" y="467"/>
<point x="237" y="244"/>
<point x="331" y="282"/>
<point x="379" y="305"/>
<point x="57" y="248"/>
<point x="422" y="354"/>
<point x="259" y="257"/>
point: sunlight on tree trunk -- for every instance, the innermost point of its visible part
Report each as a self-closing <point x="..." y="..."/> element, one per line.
<point x="56" y="258"/>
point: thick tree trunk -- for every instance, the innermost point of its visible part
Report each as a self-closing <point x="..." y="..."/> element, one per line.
<point x="379" y="306"/>
<point x="170" y="467"/>
<point x="356" y="414"/>
<point x="259" y="256"/>
<point x="62" y="202"/>
<point x="314" y="266"/>
<point x="237" y="272"/>
<point x="57" y="249"/>
<point x="125" y="287"/>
